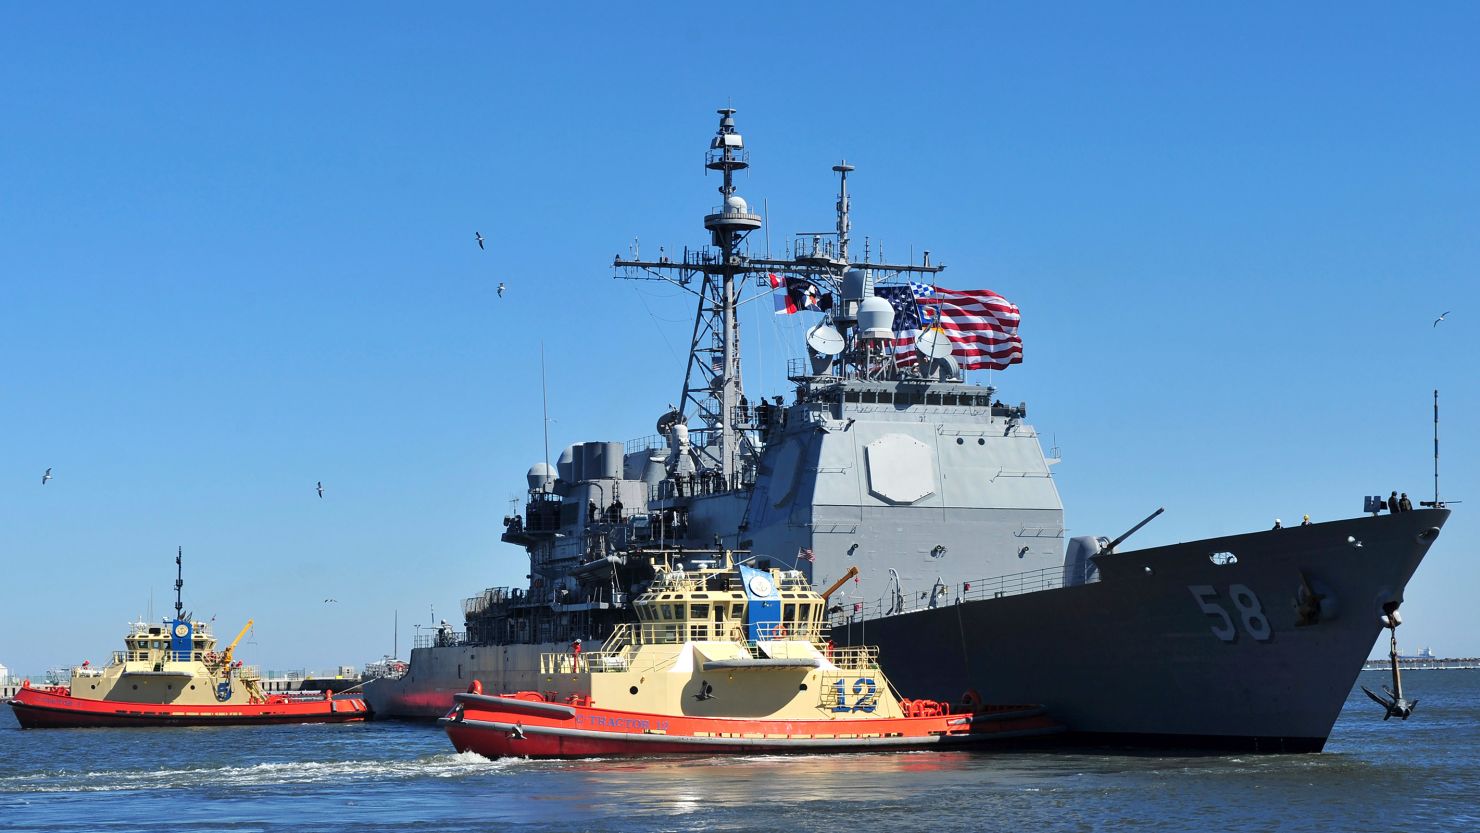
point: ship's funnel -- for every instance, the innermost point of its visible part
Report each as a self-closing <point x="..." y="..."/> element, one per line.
<point x="610" y="459"/>
<point x="875" y="318"/>
<point x="565" y="464"/>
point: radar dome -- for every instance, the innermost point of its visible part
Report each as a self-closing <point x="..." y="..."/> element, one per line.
<point x="540" y="475"/>
<point x="875" y="318"/>
<point x="735" y="204"/>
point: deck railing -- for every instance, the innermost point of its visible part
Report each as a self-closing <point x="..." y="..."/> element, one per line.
<point x="943" y="595"/>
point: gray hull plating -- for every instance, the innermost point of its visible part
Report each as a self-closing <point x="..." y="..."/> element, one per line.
<point x="1145" y="655"/>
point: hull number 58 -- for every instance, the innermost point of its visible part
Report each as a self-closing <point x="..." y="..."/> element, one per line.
<point x="1249" y="611"/>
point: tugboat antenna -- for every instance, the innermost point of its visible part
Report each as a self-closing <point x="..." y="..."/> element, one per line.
<point x="179" y="581"/>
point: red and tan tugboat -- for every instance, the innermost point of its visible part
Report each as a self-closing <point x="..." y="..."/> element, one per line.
<point x="170" y="674"/>
<point x="727" y="658"/>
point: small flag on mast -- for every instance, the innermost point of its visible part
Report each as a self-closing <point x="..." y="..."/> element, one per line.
<point x="805" y="554"/>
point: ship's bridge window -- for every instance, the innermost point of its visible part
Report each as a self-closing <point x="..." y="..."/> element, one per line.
<point x="950" y="399"/>
<point x="886" y="397"/>
<point x="699" y="611"/>
<point x="737" y="611"/>
<point x="789" y="613"/>
<point x="666" y="610"/>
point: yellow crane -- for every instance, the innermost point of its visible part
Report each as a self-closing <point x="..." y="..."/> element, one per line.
<point x="226" y="657"/>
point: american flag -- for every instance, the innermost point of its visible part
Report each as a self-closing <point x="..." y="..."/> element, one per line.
<point x="805" y="554"/>
<point x="982" y="325"/>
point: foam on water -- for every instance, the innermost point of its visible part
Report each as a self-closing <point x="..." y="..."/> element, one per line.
<point x="452" y="765"/>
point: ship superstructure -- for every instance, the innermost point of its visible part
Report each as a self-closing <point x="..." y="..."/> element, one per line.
<point x="888" y="460"/>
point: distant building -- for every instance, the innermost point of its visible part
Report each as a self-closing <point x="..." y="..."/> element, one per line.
<point x="4" y="675"/>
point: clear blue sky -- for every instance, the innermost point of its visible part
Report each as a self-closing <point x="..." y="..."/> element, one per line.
<point x="236" y="258"/>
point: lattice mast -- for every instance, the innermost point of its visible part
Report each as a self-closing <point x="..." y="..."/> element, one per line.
<point x="712" y="387"/>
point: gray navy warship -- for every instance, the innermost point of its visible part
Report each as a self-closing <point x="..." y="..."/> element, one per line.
<point x="936" y="502"/>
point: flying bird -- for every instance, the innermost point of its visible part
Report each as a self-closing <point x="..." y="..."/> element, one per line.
<point x="1441" y="318"/>
<point x="331" y="601"/>
<point x="321" y="489"/>
<point x="47" y="476"/>
<point x="501" y="289"/>
<point x="479" y="235"/>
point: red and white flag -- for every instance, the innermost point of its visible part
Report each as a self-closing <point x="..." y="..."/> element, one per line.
<point x="805" y="554"/>
<point x="982" y="325"/>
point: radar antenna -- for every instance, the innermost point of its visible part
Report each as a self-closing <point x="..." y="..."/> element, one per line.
<point x="728" y="439"/>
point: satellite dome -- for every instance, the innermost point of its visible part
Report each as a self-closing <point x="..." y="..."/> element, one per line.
<point x="735" y="204"/>
<point x="540" y="475"/>
<point x="875" y="318"/>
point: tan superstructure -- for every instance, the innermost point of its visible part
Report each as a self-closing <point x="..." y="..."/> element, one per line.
<point x="698" y="650"/>
<point x="147" y="670"/>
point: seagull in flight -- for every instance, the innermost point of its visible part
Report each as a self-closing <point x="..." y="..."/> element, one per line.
<point x="321" y="489"/>
<point x="331" y="601"/>
<point x="1442" y="317"/>
<point x="501" y="289"/>
<point x="479" y="236"/>
<point x="47" y="476"/>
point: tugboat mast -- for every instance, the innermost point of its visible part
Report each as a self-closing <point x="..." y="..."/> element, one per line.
<point x="179" y="583"/>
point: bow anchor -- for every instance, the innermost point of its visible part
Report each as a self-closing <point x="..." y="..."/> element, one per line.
<point x="1394" y="705"/>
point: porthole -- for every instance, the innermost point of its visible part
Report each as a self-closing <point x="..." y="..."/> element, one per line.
<point x="192" y="686"/>
<point x="960" y="441"/>
<point x="632" y="690"/>
<point x="94" y="685"/>
<point x="802" y="687"/>
<point x="136" y="687"/>
<point x="981" y="440"/>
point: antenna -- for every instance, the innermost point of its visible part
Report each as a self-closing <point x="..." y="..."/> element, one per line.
<point x="179" y="580"/>
<point x="545" y="402"/>
<point x="843" y="223"/>
<point x="1436" y="448"/>
<point x="396" y="634"/>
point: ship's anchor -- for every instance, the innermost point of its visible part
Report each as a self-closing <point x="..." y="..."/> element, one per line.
<point x="1393" y="703"/>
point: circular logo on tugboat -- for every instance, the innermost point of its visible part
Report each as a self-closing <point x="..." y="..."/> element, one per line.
<point x="761" y="585"/>
<point x="182" y="630"/>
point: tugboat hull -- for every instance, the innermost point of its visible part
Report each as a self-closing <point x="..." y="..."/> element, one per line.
<point x="528" y="726"/>
<point x="38" y="708"/>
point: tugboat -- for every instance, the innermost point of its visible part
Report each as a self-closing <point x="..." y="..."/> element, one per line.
<point x="727" y="658"/>
<point x="171" y="674"/>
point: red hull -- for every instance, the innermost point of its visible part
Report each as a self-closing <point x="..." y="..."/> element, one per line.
<point x="41" y="709"/>
<point x="522" y="726"/>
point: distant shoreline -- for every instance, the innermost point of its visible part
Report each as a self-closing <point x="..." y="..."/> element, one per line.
<point x="1424" y="664"/>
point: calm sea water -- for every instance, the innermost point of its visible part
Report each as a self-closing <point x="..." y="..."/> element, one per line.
<point x="1420" y="775"/>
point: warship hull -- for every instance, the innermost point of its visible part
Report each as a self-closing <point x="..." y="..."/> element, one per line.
<point x="438" y="674"/>
<point x="1170" y="649"/>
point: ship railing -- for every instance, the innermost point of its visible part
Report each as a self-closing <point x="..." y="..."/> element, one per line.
<point x="247" y="672"/>
<point x="802" y="370"/>
<point x="440" y="639"/>
<point x="155" y="655"/>
<point x="944" y="595"/>
<point x="651" y="442"/>
<point x="854" y="657"/>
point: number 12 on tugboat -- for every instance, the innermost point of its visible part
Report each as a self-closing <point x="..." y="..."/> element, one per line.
<point x="727" y="658"/>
